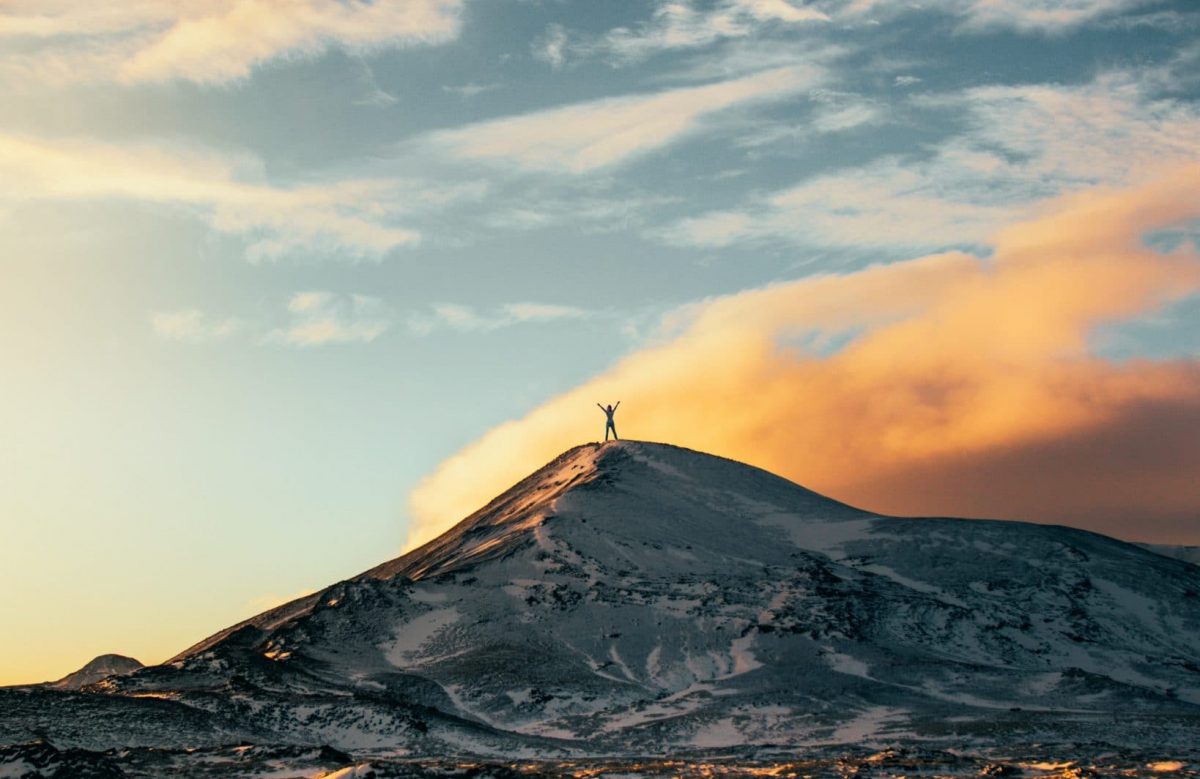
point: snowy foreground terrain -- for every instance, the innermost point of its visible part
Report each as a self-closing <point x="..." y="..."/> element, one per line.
<point x="638" y="609"/>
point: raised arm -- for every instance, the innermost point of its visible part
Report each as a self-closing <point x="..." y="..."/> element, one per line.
<point x="617" y="406"/>
<point x="601" y="408"/>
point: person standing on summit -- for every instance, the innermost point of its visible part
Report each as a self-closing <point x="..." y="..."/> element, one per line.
<point x="609" y="424"/>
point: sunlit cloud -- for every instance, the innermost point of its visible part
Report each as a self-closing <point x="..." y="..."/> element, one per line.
<point x="463" y="318"/>
<point x="320" y="318"/>
<point x="229" y="192"/>
<point x="584" y="137"/>
<point x="192" y="326"/>
<point x="211" y="41"/>
<point x="954" y="375"/>
<point x="1021" y="145"/>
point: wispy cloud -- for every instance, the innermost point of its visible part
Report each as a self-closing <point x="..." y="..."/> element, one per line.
<point x="588" y="136"/>
<point x="469" y="319"/>
<point x="684" y="24"/>
<point x="320" y="318"/>
<point x="551" y="206"/>
<point x="211" y="41"/>
<point x="835" y="112"/>
<point x="1021" y="144"/>
<point x="551" y="47"/>
<point x="1039" y="15"/>
<point x="373" y="94"/>
<point x="966" y="386"/>
<point x="888" y="203"/>
<point x="229" y="192"/>
<point x="679" y="25"/>
<point x="841" y="112"/>
<point x="1033" y="16"/>
<point x="191" y="325"/>
<point x="470" y="89"/>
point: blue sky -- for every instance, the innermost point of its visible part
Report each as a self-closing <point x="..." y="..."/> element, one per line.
<point x="267" y="265"/>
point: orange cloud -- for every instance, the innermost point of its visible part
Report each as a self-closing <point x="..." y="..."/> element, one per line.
<point x="967" y="387"/>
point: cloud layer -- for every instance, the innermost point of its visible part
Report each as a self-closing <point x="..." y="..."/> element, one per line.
<point x="1020" y="145"/>
<point x="229" y="192"/>
<point x="961" y="386"/>
<point x="212" y="41"/>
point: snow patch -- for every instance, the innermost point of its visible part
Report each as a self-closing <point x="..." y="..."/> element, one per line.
<point x="743" y="659"/>
<point x="845" y="664"/>
<point x="913" y="584"/>
<point x="868" y="724"/>
<point x="825" y="537"/>
<point x="413" y="635"/>
<point x="721" y="733"/>
<point x="425" y="595"/>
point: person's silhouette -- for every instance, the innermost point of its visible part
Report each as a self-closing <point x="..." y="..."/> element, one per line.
<point x="609" y="424"/>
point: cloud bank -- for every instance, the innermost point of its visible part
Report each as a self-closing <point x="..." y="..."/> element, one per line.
<point x="212" y="41"/>
<point x="1019" y="145"/>
<point x="946" y="384"/>
<point x="352" y="215"/>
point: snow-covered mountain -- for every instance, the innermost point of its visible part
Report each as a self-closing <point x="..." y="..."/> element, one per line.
<point x="636" y="598"/>
<point x="97" y="669"/>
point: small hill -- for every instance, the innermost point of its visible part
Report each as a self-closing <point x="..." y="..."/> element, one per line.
<point x="97" y="670"/>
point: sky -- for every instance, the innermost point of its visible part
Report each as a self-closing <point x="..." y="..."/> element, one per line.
<point x="289" y="286"/>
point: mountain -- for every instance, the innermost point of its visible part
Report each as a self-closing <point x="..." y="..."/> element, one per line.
<point x="635" y="598"/>
<point x="1189" y="554"/>
<point x="100" y="668"/>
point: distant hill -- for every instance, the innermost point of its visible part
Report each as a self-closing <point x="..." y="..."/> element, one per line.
<point x="98" y="669"/>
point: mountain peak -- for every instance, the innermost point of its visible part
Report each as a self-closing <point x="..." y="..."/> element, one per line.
<point x="628" y="493"/>
<point x="588" y="479"/>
